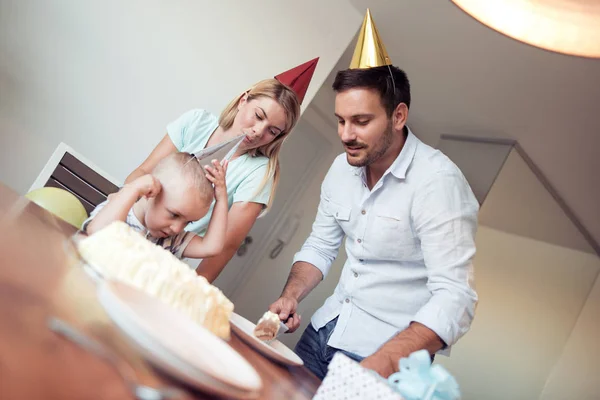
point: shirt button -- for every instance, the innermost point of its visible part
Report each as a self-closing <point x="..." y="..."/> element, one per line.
<point x="359" y="241"/>
<point x="347" y="300"/>
<point x="356" y="274"/>
<point x="363" y="212"/>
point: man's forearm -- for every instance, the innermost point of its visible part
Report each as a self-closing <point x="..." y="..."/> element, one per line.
<point x="416" y="337"/>
<point x="303" y="278"/>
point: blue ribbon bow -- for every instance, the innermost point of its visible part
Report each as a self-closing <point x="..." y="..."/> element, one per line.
<point x="417" y="379"/>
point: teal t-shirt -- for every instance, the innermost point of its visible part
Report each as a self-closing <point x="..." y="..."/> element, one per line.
<point x="190" y="133"/>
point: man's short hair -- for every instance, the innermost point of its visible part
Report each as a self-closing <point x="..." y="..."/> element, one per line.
<point x="391" y="91"/>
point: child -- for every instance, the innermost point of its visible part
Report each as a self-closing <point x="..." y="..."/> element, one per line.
<point x="161" y="204"/>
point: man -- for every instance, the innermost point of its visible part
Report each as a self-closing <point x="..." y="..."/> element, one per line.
<point x="410" y="220"/>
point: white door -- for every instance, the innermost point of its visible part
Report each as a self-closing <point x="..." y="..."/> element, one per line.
<point x="301" y="155"/>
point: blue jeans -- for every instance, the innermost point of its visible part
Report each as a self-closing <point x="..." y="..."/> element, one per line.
<point x="314" y="351"/>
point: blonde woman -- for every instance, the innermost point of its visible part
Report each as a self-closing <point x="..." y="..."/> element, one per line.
<point x="266" y="113"/>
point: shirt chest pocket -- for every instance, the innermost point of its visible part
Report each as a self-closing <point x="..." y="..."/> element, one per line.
<point x="341" y="214"/>
<point x="393" y="236"/>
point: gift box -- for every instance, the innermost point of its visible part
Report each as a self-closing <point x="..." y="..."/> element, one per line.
<point x="347" y="380"/>
<point x="416" y="379"/>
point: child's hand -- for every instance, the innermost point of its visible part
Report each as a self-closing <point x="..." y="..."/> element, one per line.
<point x="216" y="175"/>
<point x="146" y="186"/>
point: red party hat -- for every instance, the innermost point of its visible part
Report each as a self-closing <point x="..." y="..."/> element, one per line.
<point x="298" y="78"/>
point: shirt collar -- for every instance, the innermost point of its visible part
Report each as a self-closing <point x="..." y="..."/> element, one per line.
<point x="402" y="162"/>
<point x="404" y="159"/>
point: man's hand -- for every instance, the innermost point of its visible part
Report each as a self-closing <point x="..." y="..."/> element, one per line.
<point x="380" y="363"/>
<point x="302" y="279"/>
<point x="286" y="307"/>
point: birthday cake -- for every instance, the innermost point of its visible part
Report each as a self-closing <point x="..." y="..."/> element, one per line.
<point x="121" y="253"/>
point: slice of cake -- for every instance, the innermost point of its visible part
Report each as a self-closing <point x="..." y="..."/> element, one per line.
<point x="267" y="326"/>
<point x="121" y="253"/>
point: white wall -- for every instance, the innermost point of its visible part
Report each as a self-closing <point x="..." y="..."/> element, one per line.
<point x="107" y="76"/>
<point x="531" y="294"/>
<point x="575" y="376"/>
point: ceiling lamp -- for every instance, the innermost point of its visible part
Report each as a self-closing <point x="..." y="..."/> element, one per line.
<point x="564" y="26"/>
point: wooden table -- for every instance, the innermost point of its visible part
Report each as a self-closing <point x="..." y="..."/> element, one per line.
<point x="38" y="279"/>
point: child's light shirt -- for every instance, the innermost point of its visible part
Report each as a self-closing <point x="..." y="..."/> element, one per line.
<point x="176" y="244"/>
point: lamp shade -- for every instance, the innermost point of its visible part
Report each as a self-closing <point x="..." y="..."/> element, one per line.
<point x="564" y="26"/>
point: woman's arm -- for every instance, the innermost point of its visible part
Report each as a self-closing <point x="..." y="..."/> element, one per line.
<point x="162" y="149"/>
<point x="241" y="218"/>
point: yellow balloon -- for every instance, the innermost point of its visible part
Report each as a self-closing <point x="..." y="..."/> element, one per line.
<point x="61" y="203"/>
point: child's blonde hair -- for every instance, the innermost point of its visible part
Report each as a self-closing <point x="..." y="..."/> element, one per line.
<point x="185" y="165"/>
<point x="287" y="99"/>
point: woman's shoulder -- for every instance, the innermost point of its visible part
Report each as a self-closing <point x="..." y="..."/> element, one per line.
<point x="191" y="130"/>
<point x="200" y="116"/>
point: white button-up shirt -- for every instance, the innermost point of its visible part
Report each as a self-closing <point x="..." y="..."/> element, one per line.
<point x="410" y="242"/>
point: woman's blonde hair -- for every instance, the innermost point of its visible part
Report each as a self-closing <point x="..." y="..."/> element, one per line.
<point x="287" y="99"/>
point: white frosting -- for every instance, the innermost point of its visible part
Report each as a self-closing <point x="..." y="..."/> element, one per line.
<point x="270" y="316"/>
<point x="267" y="326"/>
<point x="123" y="254"/>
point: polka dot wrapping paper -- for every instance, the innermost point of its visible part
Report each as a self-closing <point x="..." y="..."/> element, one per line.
<point x="347" y="380"/>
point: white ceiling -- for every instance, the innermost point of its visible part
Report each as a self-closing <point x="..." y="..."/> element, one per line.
<point x="533" y="213"/>
<point x="470" y="80"/>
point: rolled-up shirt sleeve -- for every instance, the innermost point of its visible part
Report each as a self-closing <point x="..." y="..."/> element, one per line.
<point x="444" y="214"/>
<point x="322" y="246"/>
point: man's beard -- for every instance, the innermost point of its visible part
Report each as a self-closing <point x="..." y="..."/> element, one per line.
<point x="372" y="155"/>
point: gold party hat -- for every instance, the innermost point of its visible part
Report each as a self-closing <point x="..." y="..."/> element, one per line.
<point x="370" y="51"/>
